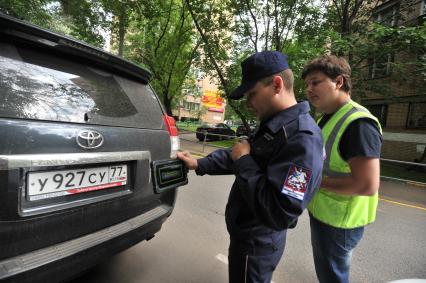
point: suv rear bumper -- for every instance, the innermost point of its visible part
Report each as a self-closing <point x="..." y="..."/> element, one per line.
<point x="37" y="265"/>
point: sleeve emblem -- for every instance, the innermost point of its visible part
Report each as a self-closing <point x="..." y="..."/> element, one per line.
<point x="296" y="182"/>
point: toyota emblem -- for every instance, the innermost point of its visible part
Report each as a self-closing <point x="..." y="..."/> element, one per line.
<point x="88" y="139"/>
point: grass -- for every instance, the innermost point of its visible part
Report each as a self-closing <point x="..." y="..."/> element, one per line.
<point x="225" y="143"/>
<point x="387" y="169"/>
<point x="187" y="126"/>
<point x="401" y="172"/>
<point x="193" y="127"/>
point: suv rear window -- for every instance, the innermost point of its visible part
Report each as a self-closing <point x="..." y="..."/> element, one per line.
<point x="41" y="86"/>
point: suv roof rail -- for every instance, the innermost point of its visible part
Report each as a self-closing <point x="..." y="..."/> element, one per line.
<point x="36" y="35"/>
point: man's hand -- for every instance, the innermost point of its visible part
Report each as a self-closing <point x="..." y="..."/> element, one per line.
<point x="241" y="148"/>
<point x="189" y="161"/>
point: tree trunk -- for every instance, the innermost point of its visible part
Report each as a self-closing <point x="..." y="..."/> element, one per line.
<point x="167" y="103"/>
<point x="209" y="54"/>
<point x="121" y="30"/>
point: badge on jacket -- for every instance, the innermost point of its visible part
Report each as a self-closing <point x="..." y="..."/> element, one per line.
<point x="296" y="182"/>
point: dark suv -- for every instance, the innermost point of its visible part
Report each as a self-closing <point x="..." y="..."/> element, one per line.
<point x="217" y="132"/>
<point x="85" y="148"/>
<point x="242" y="130"/>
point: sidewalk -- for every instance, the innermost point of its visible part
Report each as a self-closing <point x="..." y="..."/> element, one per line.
<point x="390" y="189"/>
<point x="196" y="148"/>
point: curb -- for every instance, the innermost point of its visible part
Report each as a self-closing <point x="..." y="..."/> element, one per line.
<point x="382" y="178"/>
<point x="403" y="181"/>
<point x="198" y="154"/>
<point x="200" y="143"/>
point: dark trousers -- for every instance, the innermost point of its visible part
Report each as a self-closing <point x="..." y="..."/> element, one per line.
<point x="254" y="259"/>
<point x="332" y="248"/>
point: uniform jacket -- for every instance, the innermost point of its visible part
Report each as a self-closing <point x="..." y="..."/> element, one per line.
<point x="276" y="181"/>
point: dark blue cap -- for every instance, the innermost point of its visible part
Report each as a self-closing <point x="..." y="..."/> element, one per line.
<point x="258" y="66"/>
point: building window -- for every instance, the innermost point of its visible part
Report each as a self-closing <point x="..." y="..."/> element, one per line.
<point x="191" y="106"/>
<point x="417" y="116"/>
<point x="380" y="66"/>
<point x="200" y="75"/>
<point x="196" y="106"/>
<point x="387" y="15"/>
<point x="380" y="111"/>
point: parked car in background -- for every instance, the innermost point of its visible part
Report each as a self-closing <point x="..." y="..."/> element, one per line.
<point x="242" y="130"/>
<point x="83" y="136"/>
<point x="219" y="131"/>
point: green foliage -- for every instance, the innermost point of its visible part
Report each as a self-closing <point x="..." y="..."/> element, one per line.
<point x="367" y="45"/>
<point x="123" y="12"/>
<point x="187" y="126"/>
<point x="233" y="30"/>
<point x="213" y="22"/>
<point x="272" y="25"/>
<point x="35" y="11"/>
<point x="300" y="52"/>
<point x="223" y="144"/>
<point x="406" y="45"/>
<point x="82" y="19"/>
<point x="171" y="37"/>
<point x="233" y="74"/>
<point x="164" y="42"/>
<point x="156" y="34"/>
<point x="85" y="20"/>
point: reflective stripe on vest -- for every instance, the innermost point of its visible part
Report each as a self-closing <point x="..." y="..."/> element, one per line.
<point x="340" y="210"/>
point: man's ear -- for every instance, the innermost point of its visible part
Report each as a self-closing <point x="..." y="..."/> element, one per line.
<point x="339" y="81"/>
<point x="278" y="83"/>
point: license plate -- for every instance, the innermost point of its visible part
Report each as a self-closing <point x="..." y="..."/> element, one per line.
<point x="43" y="185"/>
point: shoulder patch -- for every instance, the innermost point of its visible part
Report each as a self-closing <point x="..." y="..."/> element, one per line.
<point x="296" y="182"/>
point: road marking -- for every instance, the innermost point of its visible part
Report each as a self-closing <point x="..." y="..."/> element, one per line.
<point x="404" y="204"/>
<point x="224" y="259"/>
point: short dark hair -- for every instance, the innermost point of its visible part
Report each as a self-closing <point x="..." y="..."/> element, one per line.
<point x="332" y="66"/>
<point x="286" y="75"/>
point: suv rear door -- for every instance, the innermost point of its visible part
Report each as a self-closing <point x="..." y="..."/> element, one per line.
<point x="79" y="130"/>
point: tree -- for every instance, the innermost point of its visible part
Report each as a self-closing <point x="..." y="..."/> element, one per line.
<point x="35" y="11"/>
<point x="155" y="34"/>
<point x="273" y="24"/>
<point x="85" y="20"/>
<point x="231" y="30"/>
<point x="214" y="22"/>
<point x="82" y="19"/>
<point x="123" y="12"/>
<point x="364" y="41"/>
<point x="161" y="38"/>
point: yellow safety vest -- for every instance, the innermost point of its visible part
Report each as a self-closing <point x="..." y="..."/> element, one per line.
<point x="334" y="209"/>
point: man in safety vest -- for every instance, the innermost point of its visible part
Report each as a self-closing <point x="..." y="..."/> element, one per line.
<point x="348" y="196"/>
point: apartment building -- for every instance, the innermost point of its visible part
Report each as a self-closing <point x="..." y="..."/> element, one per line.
<point x="402" y="115"/>
<point x="203" y="104"/>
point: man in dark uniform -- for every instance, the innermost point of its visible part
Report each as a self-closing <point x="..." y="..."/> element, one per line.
<point x="277" y="171"/>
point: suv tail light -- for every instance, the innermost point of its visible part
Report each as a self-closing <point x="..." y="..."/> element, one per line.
<point x="174" y="134"/>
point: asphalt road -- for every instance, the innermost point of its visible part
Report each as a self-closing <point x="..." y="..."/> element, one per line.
<point x="192" y="245"/>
